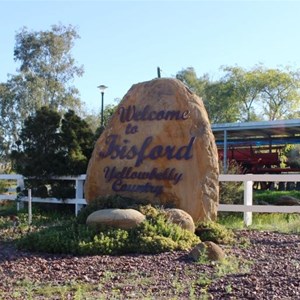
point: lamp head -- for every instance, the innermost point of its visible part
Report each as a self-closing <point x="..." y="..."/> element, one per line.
<point x="102" y="87"/>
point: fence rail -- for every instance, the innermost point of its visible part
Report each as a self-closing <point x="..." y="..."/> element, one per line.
<point x="248" y="179"/>
<point x="78" y="201"/>
<point x="12" y="193"/>
<point x="248" y="207"/>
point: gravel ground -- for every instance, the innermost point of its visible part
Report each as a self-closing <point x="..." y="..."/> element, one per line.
<point x="262" y="265"/>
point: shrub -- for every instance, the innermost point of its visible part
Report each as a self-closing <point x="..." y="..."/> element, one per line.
<point x="214" y="232"/>
<point x="63" y="238"/>
<point x="156" y="234"/>
<point x="7" y="208"/>
<point x="292" y="153"/>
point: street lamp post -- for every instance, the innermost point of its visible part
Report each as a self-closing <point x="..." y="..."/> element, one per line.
<point x="102" y="88"/>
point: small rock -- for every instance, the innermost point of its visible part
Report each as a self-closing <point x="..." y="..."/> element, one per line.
<point x="181" y="218"/>
<point x="210" y="249"/>
<point x="119" y="218"/>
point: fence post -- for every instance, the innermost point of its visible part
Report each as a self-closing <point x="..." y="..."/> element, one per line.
<point x="29" y="207"/>
<point x="248" y="200"/>
<point x="20" y="183"/>
<point x="79" y="195"/>
<point x="21" y="186"/>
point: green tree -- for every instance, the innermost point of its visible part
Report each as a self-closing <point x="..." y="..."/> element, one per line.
<point x="39" y="151"/>
<point x="107" y="114"/>
<point x="247" y="95"/>
<point x="217" y="96"/>
<point x="265" y="94"/>
<point x="46" y="66"/>
<point x="220" y="103"/>
<point x="44" y="78"/>
<point x="8" y="121"/>
<point x="94" y="119"/>
<point x="189" y="77"/>
<point x="280" y="94"/>
<point x="246" y="87"/>
<point x="51" y="145"/>
<point x="78" y="140"/>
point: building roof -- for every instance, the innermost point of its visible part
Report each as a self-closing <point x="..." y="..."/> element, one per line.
<point x="258" y="133"/>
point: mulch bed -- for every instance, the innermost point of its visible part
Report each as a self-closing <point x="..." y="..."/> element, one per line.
<point x="265" y="265"/>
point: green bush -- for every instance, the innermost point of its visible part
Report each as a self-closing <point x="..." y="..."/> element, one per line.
<point x="7" y="208"/>
<point x="292" y="153"/>
<point x="63" y="238"/>
<point x="156" y="234"/>
<point x="214" y="232"/>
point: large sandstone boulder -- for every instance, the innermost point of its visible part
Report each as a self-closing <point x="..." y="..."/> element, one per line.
<point x="118" y="218"/>
<point x="181" y="218"/>
<point x="158" y="147"/>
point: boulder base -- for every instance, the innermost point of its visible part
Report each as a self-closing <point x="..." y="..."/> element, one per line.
<point x="119" y="218"/>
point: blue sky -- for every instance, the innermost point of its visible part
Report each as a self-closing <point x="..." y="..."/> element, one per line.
<point x="123" y="42"/>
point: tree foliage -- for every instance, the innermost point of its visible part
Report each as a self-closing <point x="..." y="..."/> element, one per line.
<point x="94" y="119"/>
<point x="78" y="140"/>
<point x="246" y="88"/>
<point x="47" y="65"/>
<point x="44" y="78"/>
<point x="189" y="77"/>
<point x="8" y="128"/>
<point x="47" y="148"/>
<point x="247" y="95"/>
<point x="220" y="103"/>
<point x="280" y="94"/>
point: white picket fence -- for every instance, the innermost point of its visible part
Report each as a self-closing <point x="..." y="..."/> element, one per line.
<point x="247" y="208"/>
<point x="11" y="193"/>
<point x="78" y="201"/>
